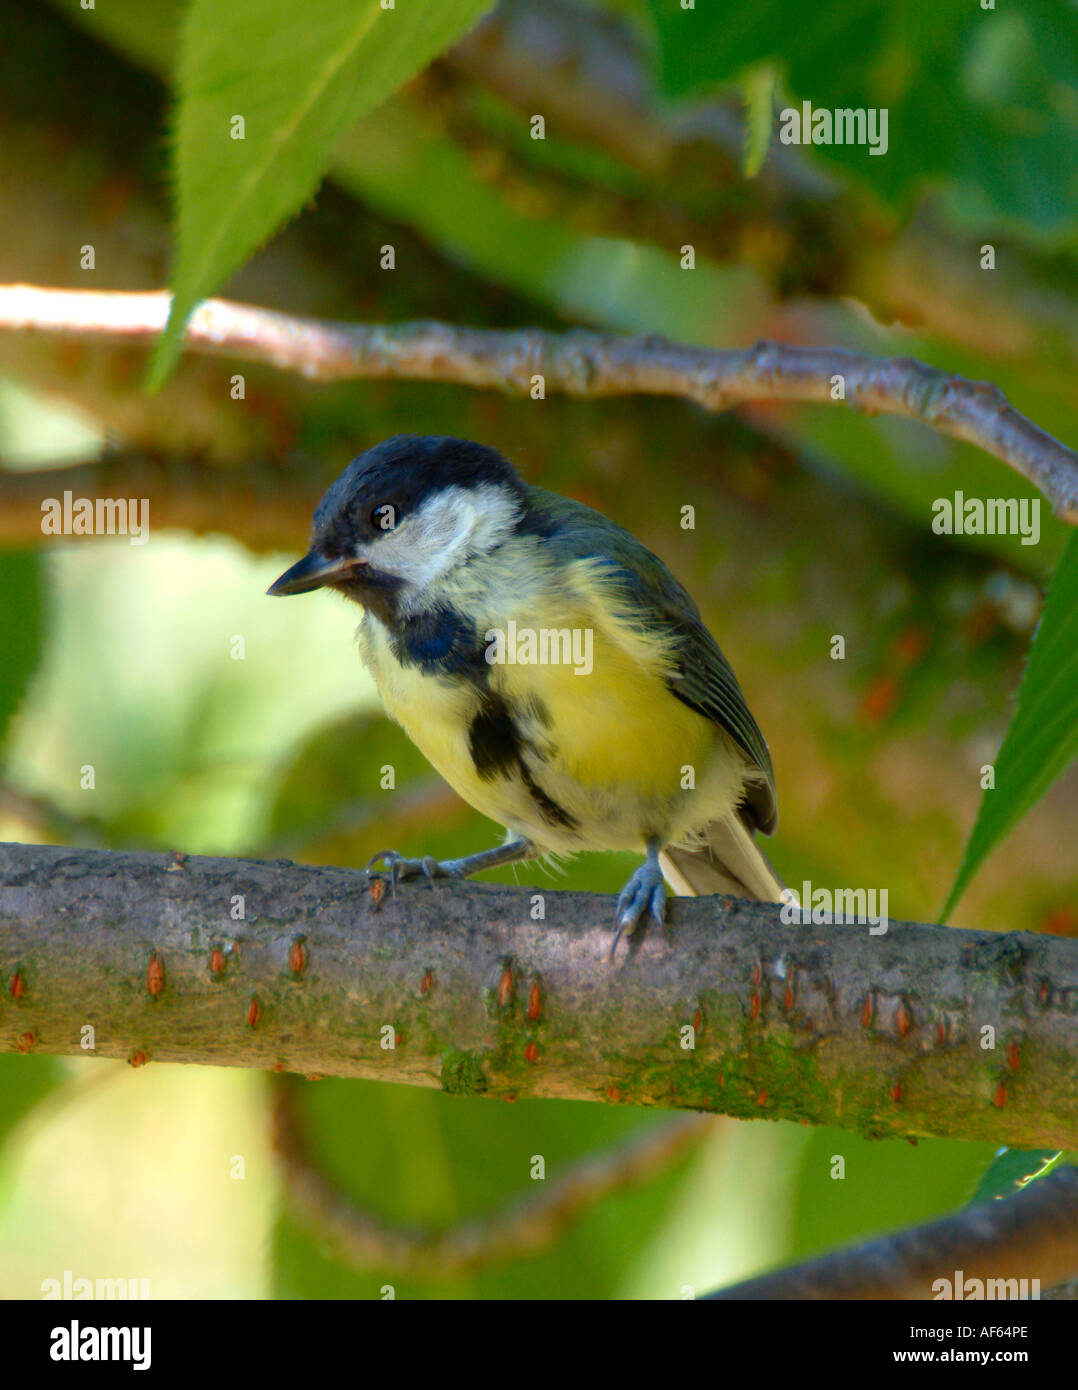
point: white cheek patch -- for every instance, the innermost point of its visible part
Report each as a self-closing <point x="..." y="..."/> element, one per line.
<point x="447" y="529"/>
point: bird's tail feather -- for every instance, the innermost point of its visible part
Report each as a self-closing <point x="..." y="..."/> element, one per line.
<point x="729" y="861"/>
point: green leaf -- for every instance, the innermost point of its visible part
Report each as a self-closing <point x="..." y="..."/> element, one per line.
<point x="758" y="87"/>
<point x="984" y="99"/>
<point x="298" y="76"/>
<point x="1043" y="735"/>
<point x="1013" y="1169"/>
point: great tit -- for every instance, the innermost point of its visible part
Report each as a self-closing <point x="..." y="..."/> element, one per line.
<point x="550" y="667"/>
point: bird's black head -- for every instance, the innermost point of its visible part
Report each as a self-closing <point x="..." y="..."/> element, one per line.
<point x="402" y="516"/>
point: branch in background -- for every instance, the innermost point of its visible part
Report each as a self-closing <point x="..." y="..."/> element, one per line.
<point x="1032" y="1235"/>
<point x="578" y="363"/>
<point x="521" y="1230"/>
<point x="729" y="1011"/>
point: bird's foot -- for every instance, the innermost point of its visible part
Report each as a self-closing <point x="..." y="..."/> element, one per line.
<point x="430" y="868"/>
<point x="642" y="899"/>
<point x="400" y="868"/>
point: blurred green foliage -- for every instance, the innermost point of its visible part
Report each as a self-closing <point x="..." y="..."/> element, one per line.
<point x="21" y="582"/>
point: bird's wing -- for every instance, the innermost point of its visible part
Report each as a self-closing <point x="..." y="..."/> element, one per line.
<point x="702" y="678"/>
<point x="706" y="683"/>
<point x="698" y="673"/>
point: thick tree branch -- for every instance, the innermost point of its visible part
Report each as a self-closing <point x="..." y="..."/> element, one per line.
<point x="578" y="363"/>
<point x="924" y="1030"/>
<point x="1031" y="1235"/>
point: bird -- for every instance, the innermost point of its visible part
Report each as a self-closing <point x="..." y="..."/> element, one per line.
<point x="550" y="668"/>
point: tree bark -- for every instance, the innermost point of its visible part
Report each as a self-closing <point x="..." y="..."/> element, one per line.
<point x="1030" y="1237"/>
<point x="924" y="1030"/>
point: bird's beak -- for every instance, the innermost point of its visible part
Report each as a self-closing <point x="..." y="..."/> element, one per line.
<point x="314" y="571"/>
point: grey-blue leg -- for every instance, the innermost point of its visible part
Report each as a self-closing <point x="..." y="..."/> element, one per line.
<point x="642" y="897"/>
<point x="512" y="852"/>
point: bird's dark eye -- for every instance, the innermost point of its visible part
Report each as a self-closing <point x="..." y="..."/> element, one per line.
<point x="385" y="517"/>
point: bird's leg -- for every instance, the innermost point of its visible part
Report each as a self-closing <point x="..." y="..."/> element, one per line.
<point x="400" y="868"/>
<point x="642" y="897"/>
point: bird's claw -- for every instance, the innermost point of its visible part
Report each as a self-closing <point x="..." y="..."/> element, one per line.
<point x="400" y="868"/>
<point x="643" y="897"/>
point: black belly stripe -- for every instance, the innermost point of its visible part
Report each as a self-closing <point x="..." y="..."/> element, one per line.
<point x="493" y="739"/>
<point x="497" y="750"/>
<point x="549" y="809"/>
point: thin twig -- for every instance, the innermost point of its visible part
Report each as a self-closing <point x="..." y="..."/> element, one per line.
<point x="523" y="1228"/>
<point x="577" y="363"/>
